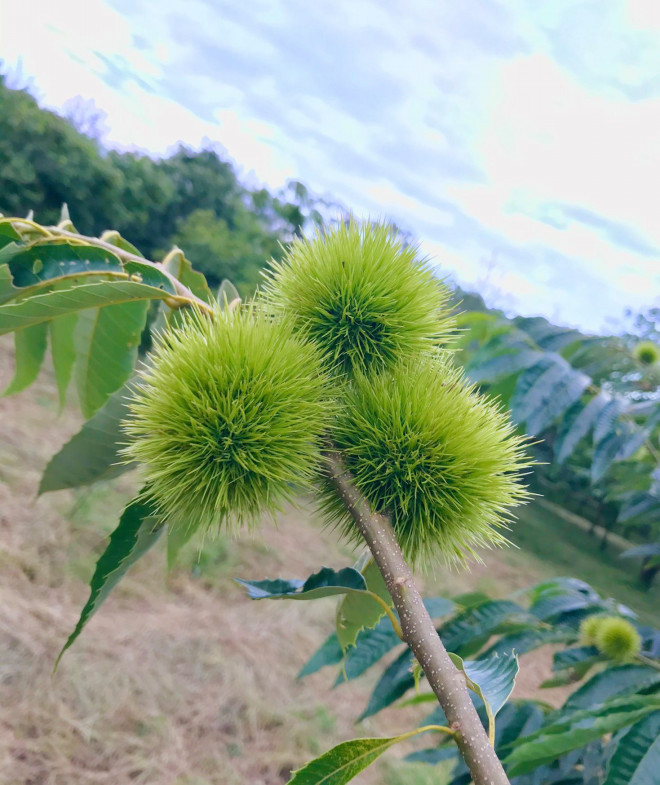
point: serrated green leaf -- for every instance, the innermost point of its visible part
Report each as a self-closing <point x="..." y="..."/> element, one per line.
<point x="433" y="755"/>
<point x="8" y="234"/>
<point x="491" y="678"/>
<point x="343" y="762"/>
<point x="329" y="653"/>
<point x="466" y="633"/>
<point x="357" y="611"/>
<point x="638" y="506"/>
<point x="7" y="289"/>
<point x="576" y="425"/>
<point x="618" y="681"/>
<point x="437" y="607"/>
<point x="93" y="453"/>
<point x="395" y="681"/>
<point x="529" y="755"/>
<point x="545" y="390"/>
<point x="607" y="418"/>
<point x="552" y="603"/>
<point x="324" y="583"/>
<point x="137" y="531"/>
<point x="106" y="342"/>
<point x="636" y="760"/>
<point x="373" y="644"/>
<point x="30" y="349"/>
<point x="642" y="551"/>
<point x="63" y="351"/>
<point x="495" y="368"/>
<point x="577" y="655"/>
<point x="527" y="382"/>
<point x="605" y="453"/>
<point x="51" y="305"/>
<point x="44" y="264"/>
<point x="527" y="640"/>
<point x="551" y="399"/>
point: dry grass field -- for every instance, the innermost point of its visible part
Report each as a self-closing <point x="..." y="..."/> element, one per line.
<point x="179" y="679"/>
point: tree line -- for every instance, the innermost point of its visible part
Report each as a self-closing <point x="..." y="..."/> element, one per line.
<point x="192" y="198"/>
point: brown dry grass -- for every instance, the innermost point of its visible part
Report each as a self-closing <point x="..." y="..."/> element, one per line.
<point x="176" y="680"/>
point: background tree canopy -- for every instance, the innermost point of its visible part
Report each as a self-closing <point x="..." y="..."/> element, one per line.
<point x="191" y="197"/>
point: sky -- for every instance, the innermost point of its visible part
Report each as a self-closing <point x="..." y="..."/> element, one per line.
<point x="518" y="140"/>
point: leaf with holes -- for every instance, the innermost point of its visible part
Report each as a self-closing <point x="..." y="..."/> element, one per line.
<point x="181" y="268"/>
<point x="41" y="265"/>
<point x="371" y="645"/>
<point x="51" y="305"/>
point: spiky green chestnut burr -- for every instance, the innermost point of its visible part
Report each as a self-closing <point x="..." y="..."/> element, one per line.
<point x="364" y="299"/>
<point x="589" y="628"/>
<point x="229" y="416"/>
<point x="647" y="353"/>
<point x="617" y="639"/>
<point x="442" y="461"/>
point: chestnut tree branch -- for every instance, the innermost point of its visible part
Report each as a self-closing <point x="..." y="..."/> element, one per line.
<point x="418" y="630"/>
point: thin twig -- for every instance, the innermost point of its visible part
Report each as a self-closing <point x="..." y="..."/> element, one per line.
<point x="447" y="682"/>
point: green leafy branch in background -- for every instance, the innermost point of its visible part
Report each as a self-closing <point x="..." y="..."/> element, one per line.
<point x="606" y="733"/>
<point x="563" y="386"/>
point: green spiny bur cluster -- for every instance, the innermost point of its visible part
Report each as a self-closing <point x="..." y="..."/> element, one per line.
<point x="228" y="418"/>
<point x="439" y="459"/>
<point x="362" y="297"/>
<point x="647" y="353"/>
<point x="613" y="636"/>
<point x="588" y="629"/>
<point x="346" y="349"/>
<point x="617" y="639"/>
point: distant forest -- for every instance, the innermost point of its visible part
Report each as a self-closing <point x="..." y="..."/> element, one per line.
<point x="192" y="198"/>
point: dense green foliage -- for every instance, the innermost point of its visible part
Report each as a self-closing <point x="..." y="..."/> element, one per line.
<point x="594" y="404"/>
<point x="587" y="741"/>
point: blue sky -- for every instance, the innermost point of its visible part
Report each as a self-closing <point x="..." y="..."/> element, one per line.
<point x="518" y="140"/>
